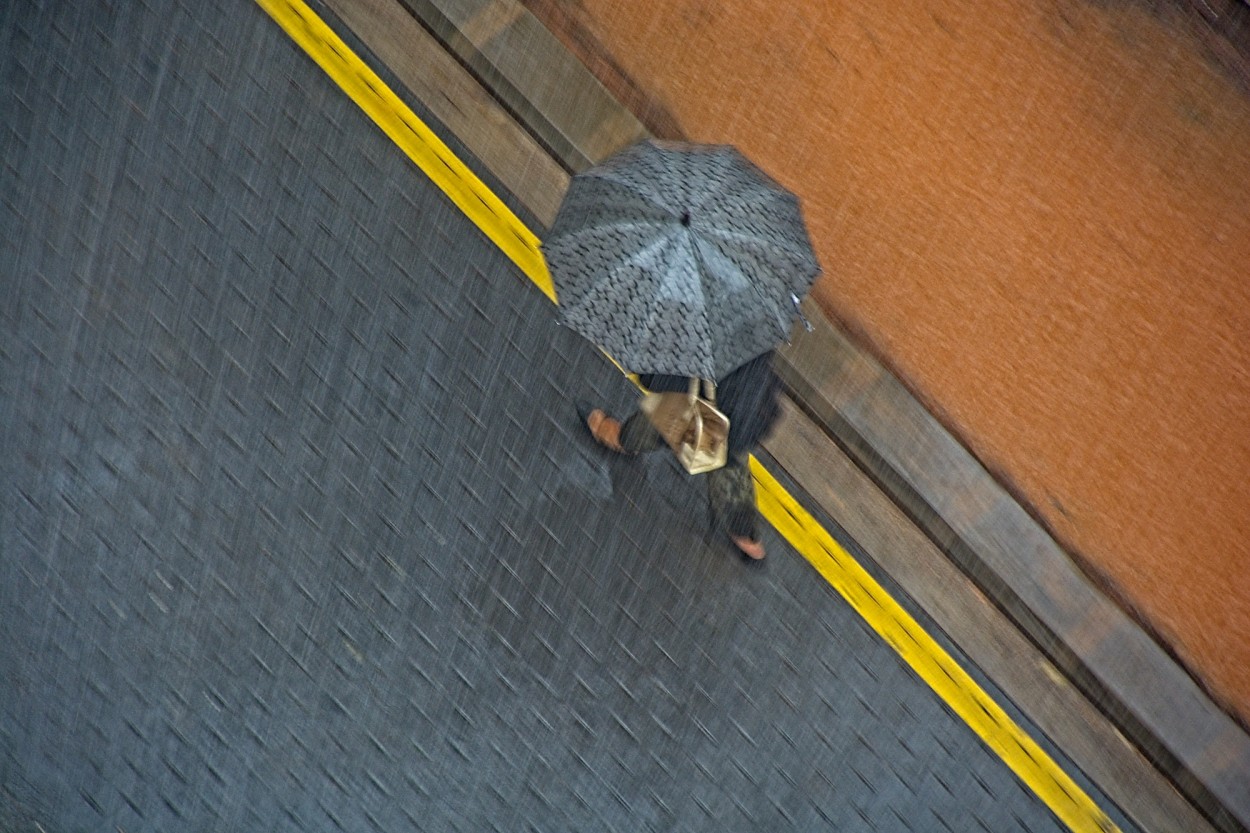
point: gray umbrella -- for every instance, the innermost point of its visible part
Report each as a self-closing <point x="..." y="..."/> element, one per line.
<point x="680" y="258"/>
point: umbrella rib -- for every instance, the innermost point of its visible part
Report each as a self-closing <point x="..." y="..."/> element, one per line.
<point x="625" y="227"/>
<point x="756" y="196"/>
<point x="701" y="266"/>
<point x="725" y="155"/>
<point x="636" y="258"/>
<point x="654" y="310"/>
<point x="796" y="250"/>
<point x="650" y="194"/>
<point x="782" y="321"/>
<point x="764" y="301"/>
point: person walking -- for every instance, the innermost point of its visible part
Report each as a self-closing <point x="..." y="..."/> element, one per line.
<point x="748" y="396"/>
<point x="686" y="261"/>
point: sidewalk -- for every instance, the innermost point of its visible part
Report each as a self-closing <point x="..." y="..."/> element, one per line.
<point x="300" y="531"/>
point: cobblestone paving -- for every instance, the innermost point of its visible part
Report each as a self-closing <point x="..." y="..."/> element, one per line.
<point x="299" y="531"/>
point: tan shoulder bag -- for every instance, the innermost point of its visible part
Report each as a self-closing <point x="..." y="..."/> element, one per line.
<point x="691" y="425"/>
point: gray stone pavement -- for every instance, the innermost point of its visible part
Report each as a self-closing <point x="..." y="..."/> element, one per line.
<point x="299" y="531"/>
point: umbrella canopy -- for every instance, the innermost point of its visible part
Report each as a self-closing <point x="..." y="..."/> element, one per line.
<point x="680" y="258"/>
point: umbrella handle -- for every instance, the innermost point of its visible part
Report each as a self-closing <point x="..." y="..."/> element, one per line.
<point x="698" y="417"/>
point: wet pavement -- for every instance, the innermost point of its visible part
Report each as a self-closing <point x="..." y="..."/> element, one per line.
<point x="299" y="530"/>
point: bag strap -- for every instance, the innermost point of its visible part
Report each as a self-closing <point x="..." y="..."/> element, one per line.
<point x="709" y="389"/>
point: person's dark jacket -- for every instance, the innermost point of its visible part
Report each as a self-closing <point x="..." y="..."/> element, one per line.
<point x="748" y="395"/>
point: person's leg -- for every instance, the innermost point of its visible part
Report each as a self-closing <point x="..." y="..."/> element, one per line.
<point x="731" y="498"/>
<point x="635" y="436"/>
<point x="639" y="436"/>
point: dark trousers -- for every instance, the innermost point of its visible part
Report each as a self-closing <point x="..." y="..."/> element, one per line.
<point x="730" y="489"/>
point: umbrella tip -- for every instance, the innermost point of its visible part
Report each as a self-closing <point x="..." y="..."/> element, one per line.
<point x="685" y="218"/>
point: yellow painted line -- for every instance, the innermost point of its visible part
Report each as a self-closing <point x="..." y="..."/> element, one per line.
<point x="413" y="137"/>
<point x="860" y="590"/>
<point x="927" y="658"/>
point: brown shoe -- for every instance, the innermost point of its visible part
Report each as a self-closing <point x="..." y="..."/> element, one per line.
<point x="751" y="549"/>
<point x="605" y="429"/>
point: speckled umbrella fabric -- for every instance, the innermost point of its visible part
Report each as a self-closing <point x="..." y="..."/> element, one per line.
<point x="680" y="258"/>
